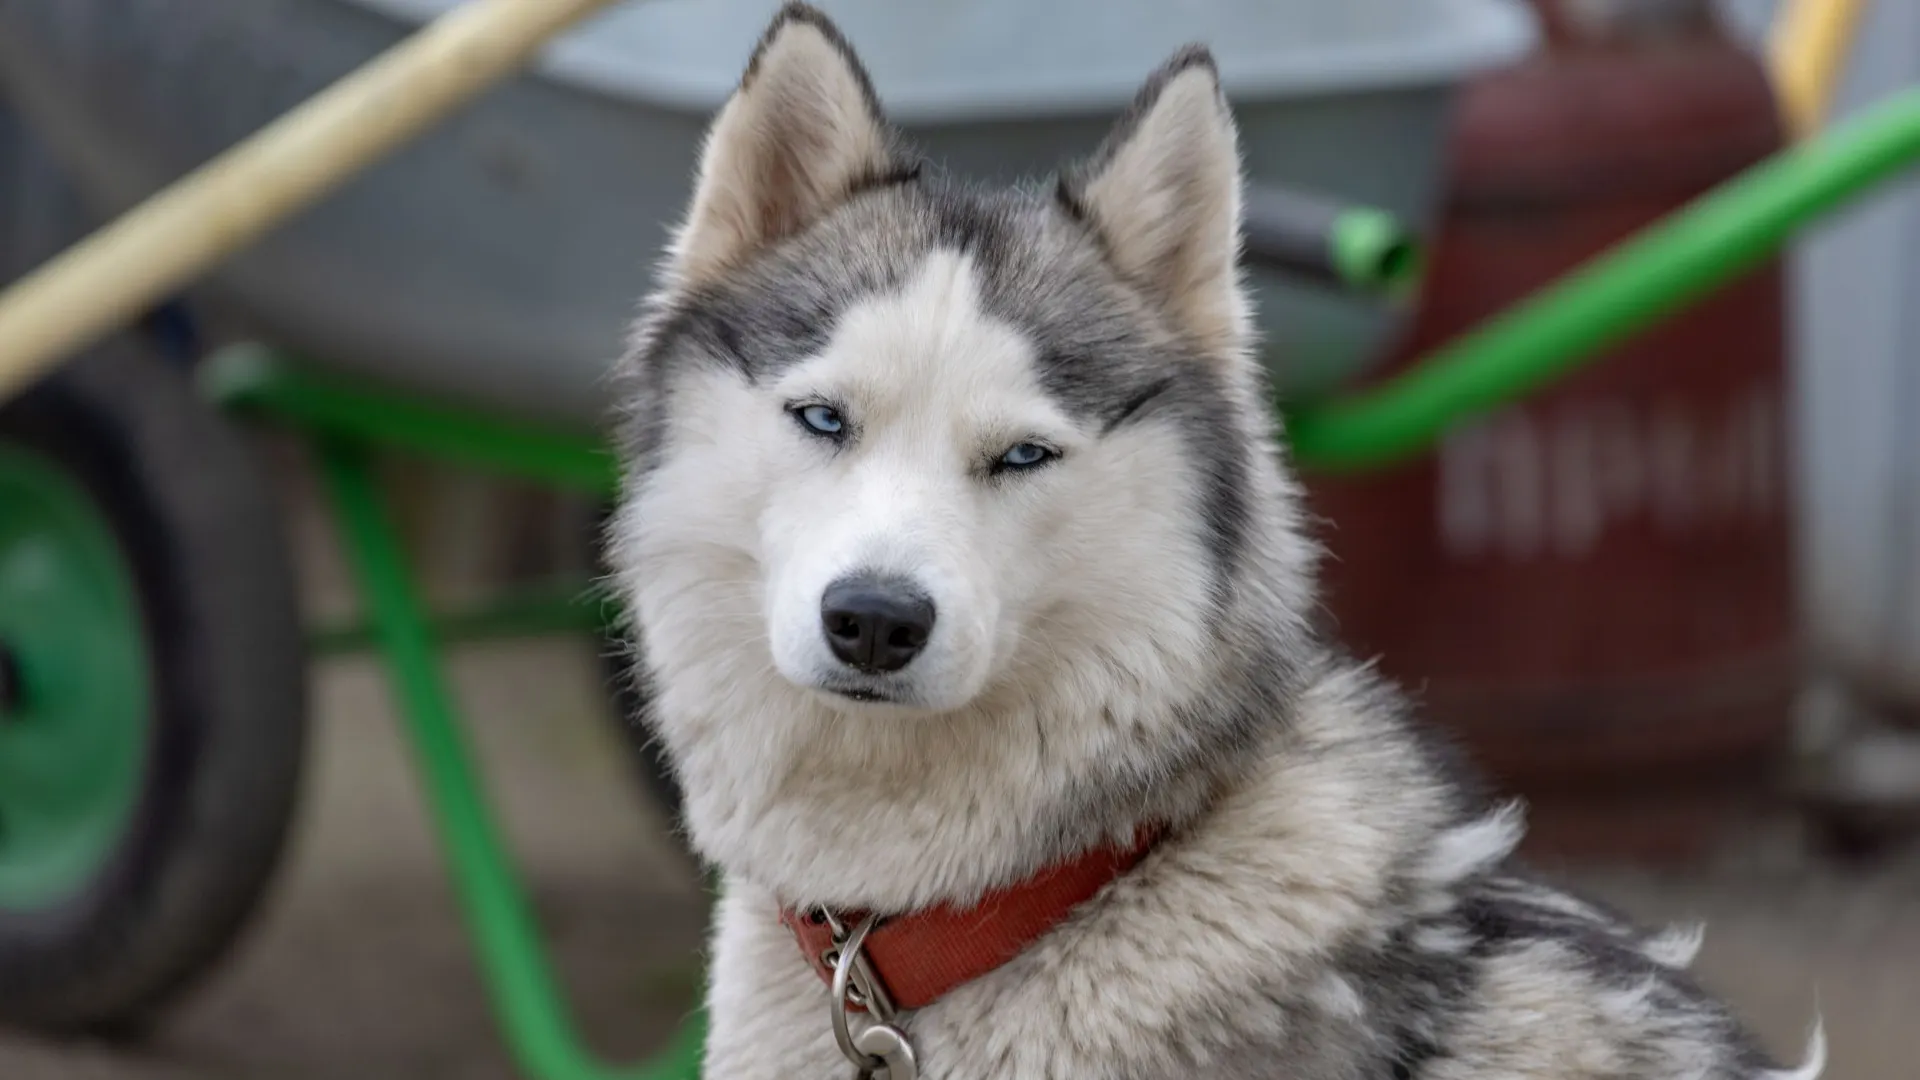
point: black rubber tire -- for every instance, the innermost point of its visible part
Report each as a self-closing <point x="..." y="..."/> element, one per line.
<point x="198" y="522"/>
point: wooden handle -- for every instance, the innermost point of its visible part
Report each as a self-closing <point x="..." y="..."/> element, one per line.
<point x="1808" y="51"/>
<point x="120" y="271"/>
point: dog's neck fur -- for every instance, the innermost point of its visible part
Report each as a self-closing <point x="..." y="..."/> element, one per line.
<point x="891" y="814"/>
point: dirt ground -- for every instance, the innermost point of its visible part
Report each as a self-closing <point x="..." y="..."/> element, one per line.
<point x="359" y="967"/>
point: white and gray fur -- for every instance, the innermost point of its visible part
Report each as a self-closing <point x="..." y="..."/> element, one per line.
<point x="1124" y="634"/>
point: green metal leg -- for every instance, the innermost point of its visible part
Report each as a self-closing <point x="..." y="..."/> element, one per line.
<point x="535" y="612"/>
<point x="524" y="993"/>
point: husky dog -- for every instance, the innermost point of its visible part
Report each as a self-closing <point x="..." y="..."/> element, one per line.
<point x="959" y="547"/>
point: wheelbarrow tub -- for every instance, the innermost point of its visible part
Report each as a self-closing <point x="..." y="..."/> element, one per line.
<point x="497" y="259"/>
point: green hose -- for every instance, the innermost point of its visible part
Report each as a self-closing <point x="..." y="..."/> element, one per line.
<point x="1664" y="268"/>
<point x="1312" y="239"/>
<point x="1373" y="253"/>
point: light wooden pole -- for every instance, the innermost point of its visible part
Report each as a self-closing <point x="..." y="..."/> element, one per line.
<point x="1808" y="53"/>
<point x="112" y="276"/>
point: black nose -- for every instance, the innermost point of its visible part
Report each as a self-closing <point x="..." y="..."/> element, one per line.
<point x="875" y="623"/>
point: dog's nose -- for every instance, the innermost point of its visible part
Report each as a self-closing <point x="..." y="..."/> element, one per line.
<point x="876" y="624"/>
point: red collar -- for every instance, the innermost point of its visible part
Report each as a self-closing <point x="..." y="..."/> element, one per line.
<point x="920" y="956"/>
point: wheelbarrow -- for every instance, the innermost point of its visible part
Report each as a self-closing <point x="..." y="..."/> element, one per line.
<point x="355" y="403"/>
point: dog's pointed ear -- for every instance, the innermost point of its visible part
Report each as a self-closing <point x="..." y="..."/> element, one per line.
<point x="1163" y="192"/>
<point x="802" y="131"/>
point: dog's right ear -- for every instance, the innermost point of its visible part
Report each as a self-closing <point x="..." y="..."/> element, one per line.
<point x="801" y="133"/>
<point x="1164" y="194"/>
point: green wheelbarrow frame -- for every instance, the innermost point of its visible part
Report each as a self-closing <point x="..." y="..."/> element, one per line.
<point x="1669" y="265"/>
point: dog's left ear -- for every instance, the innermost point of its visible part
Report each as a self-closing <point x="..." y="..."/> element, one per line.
<point x="801" y="133"/>
<point x="1164" y="193"/>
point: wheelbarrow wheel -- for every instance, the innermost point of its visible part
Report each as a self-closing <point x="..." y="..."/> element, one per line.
<point x="152" y="692"/>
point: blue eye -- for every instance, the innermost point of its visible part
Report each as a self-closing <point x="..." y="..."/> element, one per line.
<point x="821" y="419"/>
<point x="1025" y="456"/>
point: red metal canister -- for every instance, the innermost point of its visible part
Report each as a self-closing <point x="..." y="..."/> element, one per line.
<point x="1594" y="588"/>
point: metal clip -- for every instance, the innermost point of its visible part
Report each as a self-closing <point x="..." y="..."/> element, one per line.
<point x="887" y="1044"/>
<point x="880" y="1048"/>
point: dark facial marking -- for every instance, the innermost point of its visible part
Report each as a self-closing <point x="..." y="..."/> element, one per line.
<point x="895" y="174"/>
<point x="1134" y="404"/>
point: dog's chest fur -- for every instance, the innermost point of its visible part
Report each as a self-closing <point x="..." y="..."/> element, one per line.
<point x="1301" y="929"/>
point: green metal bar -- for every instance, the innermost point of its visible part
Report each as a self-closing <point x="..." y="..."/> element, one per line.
<point x="536" y="613"/>
<point x="1310" y="238"/>
<point x="254" y="378"/>
<point x="1374" y="253"/>
<point x="1666" y="267"/>
<point x="525" y="995"/>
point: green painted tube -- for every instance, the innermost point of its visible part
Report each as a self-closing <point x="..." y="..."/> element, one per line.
<point x="525" y="994"/>
<point x="537" y="612"/>
<point x="1311" y="238"/>
<point x="1642" y="281"/>
<point x="249" y="377"/>
<point x="1374" y="252"/>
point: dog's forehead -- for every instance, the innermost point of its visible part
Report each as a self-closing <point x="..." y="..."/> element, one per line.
<point x="930" y="347"/>
<point x="1008" y="259"/>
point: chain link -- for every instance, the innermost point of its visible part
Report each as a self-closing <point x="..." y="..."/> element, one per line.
<point x="880" y="1047"/>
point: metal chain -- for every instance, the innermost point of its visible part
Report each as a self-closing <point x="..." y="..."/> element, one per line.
<point x="880" y="1047"/>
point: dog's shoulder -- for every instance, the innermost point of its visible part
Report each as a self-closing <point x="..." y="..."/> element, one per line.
<point x="1468" y="963"/>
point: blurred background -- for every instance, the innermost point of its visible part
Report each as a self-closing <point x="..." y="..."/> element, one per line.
<point x="1673" y="598"/>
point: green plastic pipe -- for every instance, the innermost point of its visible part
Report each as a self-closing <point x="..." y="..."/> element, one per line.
<point x="1311" y="239"/>
<point x="250" y="377"/>
<point x="1374" y="253"/>
<point x="1648" y="277"/>
<point x="524" y="992"/>
<point x="537" y="612"/>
